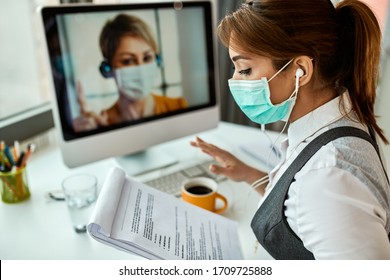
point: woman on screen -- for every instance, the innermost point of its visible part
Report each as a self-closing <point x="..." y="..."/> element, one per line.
<point x="130" y="57"/>
<point x="314" y="66"/>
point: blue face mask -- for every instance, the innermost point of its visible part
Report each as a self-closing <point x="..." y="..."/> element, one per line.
<point x="253" y="98"/>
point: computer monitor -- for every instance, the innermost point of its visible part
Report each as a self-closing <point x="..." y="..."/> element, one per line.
<point x="127" y="77"/>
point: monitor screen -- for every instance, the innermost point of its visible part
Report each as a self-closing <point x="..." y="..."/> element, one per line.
<point x="130" y="76"/>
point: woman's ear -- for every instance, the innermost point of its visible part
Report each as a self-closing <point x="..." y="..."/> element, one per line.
<point x="304" y="63"/>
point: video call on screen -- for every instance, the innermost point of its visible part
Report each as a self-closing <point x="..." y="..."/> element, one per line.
<point x="177" y="80"/>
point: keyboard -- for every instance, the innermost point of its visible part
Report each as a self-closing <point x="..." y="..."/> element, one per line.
<point x="171" y="183"/>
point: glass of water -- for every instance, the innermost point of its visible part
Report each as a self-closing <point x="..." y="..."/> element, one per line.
<point x="80" y="192"/>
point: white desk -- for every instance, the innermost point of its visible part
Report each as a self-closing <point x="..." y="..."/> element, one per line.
<point x="41" y="229"/>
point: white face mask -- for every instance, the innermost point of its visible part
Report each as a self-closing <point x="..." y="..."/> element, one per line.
<point x="136" y="82"/>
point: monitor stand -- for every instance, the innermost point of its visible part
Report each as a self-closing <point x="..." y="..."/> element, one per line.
<point x="146" y="161"/>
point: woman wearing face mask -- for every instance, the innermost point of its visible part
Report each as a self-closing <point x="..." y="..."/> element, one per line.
<point x="130" y="57"/>
<point x="315" y="66"/>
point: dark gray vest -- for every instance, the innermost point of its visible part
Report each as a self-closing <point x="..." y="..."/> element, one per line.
<point x="270" y="224"/>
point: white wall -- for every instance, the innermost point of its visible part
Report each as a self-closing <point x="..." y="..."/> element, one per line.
<point x="383" y="103"/>
<point x="383" y="99"/>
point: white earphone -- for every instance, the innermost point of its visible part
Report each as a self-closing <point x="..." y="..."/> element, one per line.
<point x="299" y="73"/>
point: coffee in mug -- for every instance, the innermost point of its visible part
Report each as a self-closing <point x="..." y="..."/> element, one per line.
<point x="199" y="190"/>
<point x="202" y="192"/>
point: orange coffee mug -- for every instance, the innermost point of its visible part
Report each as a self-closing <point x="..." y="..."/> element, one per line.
<point x="202" y="192"/>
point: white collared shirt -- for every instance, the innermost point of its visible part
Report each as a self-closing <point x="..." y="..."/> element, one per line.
<point x="339" y="202"/>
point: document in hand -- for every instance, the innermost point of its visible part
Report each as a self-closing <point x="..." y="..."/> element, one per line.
<point x="141" y="220"/>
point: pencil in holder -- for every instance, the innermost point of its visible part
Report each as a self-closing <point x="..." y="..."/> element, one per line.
<point x="14" y="186"/>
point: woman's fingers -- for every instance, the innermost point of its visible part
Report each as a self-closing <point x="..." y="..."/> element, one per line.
<point x="210" y="149"/>
<point x="228" y="165"/>
<point x="81" y="98"/>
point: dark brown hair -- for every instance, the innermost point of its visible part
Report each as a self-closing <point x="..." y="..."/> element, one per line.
<point x="344" y="42"/>
<point x="122" y="25"/>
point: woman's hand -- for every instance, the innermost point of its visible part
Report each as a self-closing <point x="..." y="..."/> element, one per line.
<point x="229" y="165"/>
<point x="88" y="119"/>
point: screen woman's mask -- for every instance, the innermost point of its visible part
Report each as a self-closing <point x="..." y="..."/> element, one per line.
<point x="136" y="82"/>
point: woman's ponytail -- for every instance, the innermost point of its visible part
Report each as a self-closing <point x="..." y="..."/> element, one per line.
<point x="359" y="56"/>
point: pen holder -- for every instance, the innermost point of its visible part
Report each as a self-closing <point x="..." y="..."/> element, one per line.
<point x="14" y="186"/>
